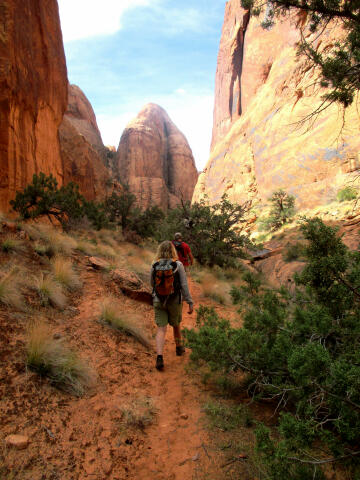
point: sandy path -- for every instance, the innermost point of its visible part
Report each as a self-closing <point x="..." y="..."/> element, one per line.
<point x="86" y="438"/>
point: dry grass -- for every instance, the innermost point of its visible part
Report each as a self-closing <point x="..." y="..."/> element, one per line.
<point x="49" y="291"/>
<point x="64" y="273"/>
<point x="12" y="244"/>
<point x="105" y="251"/>
<point x="51" y="241"/>
<point x="86" y="247"/>
<point x="10" y="294"/>
<point x="215" y="289"/>
<point x="51" y="358"/>
<point x="139" y="413"/>
<point x="130" y="324"/>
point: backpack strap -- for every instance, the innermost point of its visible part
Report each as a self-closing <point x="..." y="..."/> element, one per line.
<point x="153" y="276"/>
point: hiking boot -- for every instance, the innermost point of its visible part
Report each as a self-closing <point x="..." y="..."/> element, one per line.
<point x="180" y="350"/>
<point x="159" y="362"/>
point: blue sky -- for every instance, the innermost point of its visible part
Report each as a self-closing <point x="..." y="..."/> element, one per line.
<point x="126" y="53"/>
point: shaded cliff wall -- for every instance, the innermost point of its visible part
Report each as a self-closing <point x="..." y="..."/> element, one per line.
<point x="33" y="93"/>
<point x="155" y="159"/>
<point x="258" y="146"/>
<point x="82" y="151"/>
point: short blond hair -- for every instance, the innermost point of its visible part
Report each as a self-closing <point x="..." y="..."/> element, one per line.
<point x="166" y="250"/>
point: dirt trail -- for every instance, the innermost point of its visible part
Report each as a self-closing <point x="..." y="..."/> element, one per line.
<point x="86" y="438"/>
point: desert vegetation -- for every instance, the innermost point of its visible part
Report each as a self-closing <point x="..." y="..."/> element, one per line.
<point x="299" y="351"/>
<point x="129" y="324"/>
<point x="53" y="359"/>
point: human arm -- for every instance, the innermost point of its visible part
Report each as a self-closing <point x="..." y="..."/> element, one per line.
<point x="184" y="286"/>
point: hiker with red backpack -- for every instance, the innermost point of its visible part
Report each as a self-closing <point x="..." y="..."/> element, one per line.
<point x="170" y="288"/>
<point x="183" y="250"/>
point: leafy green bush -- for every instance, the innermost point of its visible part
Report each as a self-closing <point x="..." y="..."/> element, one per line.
<point x="227" y="417"/>
<point x="214" y="232"/>
<point x="346" y="194"/>
<point x="293" y="252"/>
<point x="43" y="198"/>
<point x="301" y="351"/>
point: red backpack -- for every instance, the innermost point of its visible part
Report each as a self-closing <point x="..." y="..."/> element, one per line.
<point x="166" y="279"/>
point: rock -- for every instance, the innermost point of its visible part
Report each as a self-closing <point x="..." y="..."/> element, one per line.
<point x="155" y="159"/>
<point x="262" y="89"/>
<point x="256" y="256"/>
<point x="99" y="263"/>
<point x="18" y="441"/>
<point x="33" y="94"/>
<point x="57" y="336"/>
<point x="82" y="150"/>
<point x="131" y="285"/>
<point x="184" y="416"/>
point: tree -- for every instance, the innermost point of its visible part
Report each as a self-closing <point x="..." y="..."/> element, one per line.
<point x="214" y="232"/>
<point x="146" y="222"/>
<point x="43" y="198"/>
<point x="282" y="210"/>
<point x="302" y="352"/>
<point x="339" y="65"/>
<point x="118" y="207"/>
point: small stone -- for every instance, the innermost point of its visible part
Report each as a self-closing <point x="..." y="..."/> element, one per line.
<point x="184" y="416"/>
<point x="57" y="336"/>
<point x="18" y="441"/>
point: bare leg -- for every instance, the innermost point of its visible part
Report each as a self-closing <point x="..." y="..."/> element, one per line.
<point x="160" y="339"/>
<point x="177" y="335"/>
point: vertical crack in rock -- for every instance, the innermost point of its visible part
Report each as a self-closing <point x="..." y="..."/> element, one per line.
<point x="235" y="104"/>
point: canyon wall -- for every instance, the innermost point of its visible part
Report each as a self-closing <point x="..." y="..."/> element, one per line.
<point x="155" y="159"/>
<point x="33" y="93"/>
<point x="82" y="151"/>
<point x="263" y="90"/>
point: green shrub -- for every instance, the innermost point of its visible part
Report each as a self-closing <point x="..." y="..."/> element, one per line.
<point x="346" y="194"/>
<point x="295" y="251"/>
<point x="214" y="232"/>
<point x="301" y="350"/>
<point x="43" y="198"/>
<point x="227" y="417"/>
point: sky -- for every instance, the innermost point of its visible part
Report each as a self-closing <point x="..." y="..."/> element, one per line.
<point x="126" y="53"/>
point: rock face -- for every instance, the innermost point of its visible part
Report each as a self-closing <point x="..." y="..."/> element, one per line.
<point x="33" y="93"/>
<point x="155" y="159"/>
<point x="262" y="89"/>
<point x="82" y="151"/>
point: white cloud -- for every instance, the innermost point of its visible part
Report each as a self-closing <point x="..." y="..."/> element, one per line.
<point x="89" y="18"/>
<point x="191" y="113"/>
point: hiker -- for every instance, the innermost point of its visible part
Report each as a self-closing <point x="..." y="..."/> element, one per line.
<point x="168" y="279"/>
<point x="183" y="250"/>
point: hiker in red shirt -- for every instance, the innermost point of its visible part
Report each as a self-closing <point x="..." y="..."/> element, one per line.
<point x="183" y="250"/>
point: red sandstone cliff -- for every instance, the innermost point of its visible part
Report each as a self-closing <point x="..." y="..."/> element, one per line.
<point x="82" y="150"/>
<point x="155" y="159"/>
<point x="33" y="93"/>
<point x="262" y="89"/>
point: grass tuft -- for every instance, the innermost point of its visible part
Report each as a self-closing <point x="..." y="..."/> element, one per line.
<point x="140" y="413"/>
<point x="11" y="244"/>
<point x="126" y="323"/>
<point x="50" y="291"/>
<point x="52" y="359"/>
<point x="64" y="273"/>
<point x="227" y="417"/>
<point x="9" y="291"/>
